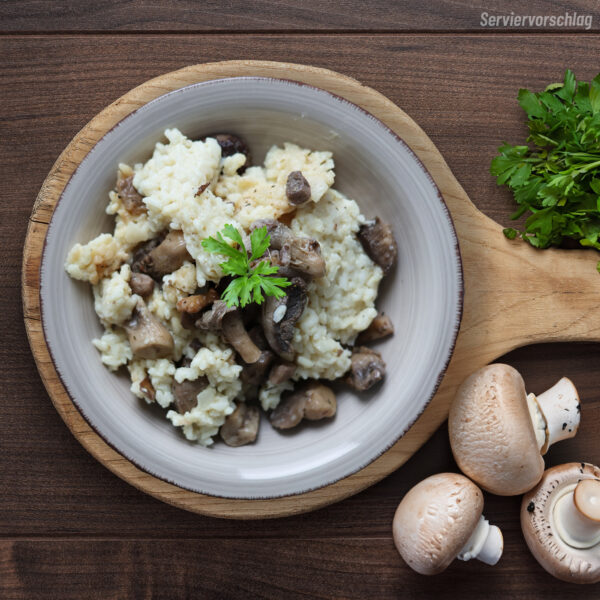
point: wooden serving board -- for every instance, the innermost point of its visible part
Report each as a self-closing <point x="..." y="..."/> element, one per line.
<point x="514" y="294"/>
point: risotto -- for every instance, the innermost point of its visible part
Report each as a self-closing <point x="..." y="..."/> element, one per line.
<point x="158" y="292"/>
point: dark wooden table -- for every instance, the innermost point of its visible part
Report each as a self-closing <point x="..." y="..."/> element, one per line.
<point x="71" y="529"/>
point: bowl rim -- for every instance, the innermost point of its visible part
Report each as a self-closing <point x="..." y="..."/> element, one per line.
<point x="459" y="270"/>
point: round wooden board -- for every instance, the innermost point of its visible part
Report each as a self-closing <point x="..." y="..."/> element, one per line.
<point x="510" y="289"/>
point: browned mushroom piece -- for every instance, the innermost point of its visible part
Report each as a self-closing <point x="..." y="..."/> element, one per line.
<point x="235" y="334"/>
<point x="165" y="258"/>
<point x="147" y="389"/>
<point x="304" y="253"/>
<point x="280" y="372"/>
<point x="142" y="250"/>
<point x="148" y="337"/>
<point x="132" y="199"/>
<point x="241" y="426"/>
<point x="194" y="304"/>
<point x="212" y="319"/>
<point x="367" y="368"/>
<point x="297" y="188"/>
<point x="381" y="326"/>
<point x="280" y="315"/>
<point x="232" y="144"/>
<point x="313" y="402"/>
<point x="141" y="284"/>
<point x="379" y="243"/>
<point x="255" y="373"/>
<point x="186" y="392"/>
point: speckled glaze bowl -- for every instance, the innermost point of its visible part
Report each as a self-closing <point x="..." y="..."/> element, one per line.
<point x="423" y="295"/>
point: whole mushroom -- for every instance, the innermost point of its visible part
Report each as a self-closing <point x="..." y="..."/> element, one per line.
<point x="560" y="520"/>
<point x="441" y="519"/>
<point x="499" y="433"/>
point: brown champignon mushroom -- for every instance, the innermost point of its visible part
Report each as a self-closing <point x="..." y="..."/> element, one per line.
<point x="381" y="326"/>
<point x="313" y="402"/>
<point x="235" y="333"/>
<point x="132" y="199"/>
<point x="297" y="188"/>
<point x="440" y="519"/>
<point x="560" y="519"/>
<point x="141" y="284"/>
<point x="280" y="372"/>
<point x="498" y="432"/>
<point x="241" y="426"/>
<point x="165" y="258"/>
<point x="148" y="337"/>
<point x="195" y="303"/>
<point x="280" y="315"/>
<point x="379" y="243"/>
<point x="367" y="368"/>
<point x="304" y="253"/>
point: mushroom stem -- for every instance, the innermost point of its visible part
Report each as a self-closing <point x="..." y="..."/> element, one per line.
<point x="555" y="413"/>
<point x="485" y="544"/>
<point x="577" y="514"/>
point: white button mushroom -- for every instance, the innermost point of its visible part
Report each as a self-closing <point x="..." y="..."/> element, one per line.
<point x="439" y="520"/>
<point x="560" y="519"/>
<point x="499" y="433"/>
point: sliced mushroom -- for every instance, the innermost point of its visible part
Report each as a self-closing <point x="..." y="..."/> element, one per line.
<point x="142" y="250"/>
<point x="147" y="389"/>
<point x="313" y="402"/>
<point x="280" y="316"/>
<point x="235" y="333"/>
<point x="194" y="304"/>
<point x="255" y="373"/>
<point x="212" y="320"/>
<point x="367" y="368"/>
<point x="379" y="243"/>
<point x="241" y="426"/>
<point x="381" y="326"/>
<point x="148" y="337"/>
<point x="141" y="284"/>
<point x="297" y="189"/>
<point x="304" y="253"/>
<point x="186" y="393"/>
<point x="281" y="372"/>
<point x="167" y="257"/>
<point x="132" y="199"/>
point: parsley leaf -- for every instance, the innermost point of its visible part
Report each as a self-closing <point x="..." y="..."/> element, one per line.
<point x="555" y="176"/>
<point x="248" y="283"/>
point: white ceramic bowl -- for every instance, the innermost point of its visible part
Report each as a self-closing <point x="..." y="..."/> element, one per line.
<point x="423" y="296"/>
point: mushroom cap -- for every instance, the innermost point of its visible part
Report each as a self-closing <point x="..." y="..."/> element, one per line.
<point x="575" y="565"/>
<point x="435" y="520"/>
<point x="491" y="432"/>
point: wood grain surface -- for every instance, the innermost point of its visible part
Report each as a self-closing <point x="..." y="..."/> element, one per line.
<point x="68" y="527"/>
<point x="282" y="15"/>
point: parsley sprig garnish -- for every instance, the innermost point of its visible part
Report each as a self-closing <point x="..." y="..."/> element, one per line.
<point x="249" y="283"/>
<point x="556" y="179"/>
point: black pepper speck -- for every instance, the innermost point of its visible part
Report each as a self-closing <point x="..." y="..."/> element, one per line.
<point x="530" y="507"/>
<point x="564" y="426"/>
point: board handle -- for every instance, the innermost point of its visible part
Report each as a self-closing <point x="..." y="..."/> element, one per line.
<point x="517" y="295"/>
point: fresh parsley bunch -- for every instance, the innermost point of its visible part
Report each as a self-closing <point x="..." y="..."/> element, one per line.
<point x="249" y="283"/>
<point x="556" y="179"/>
